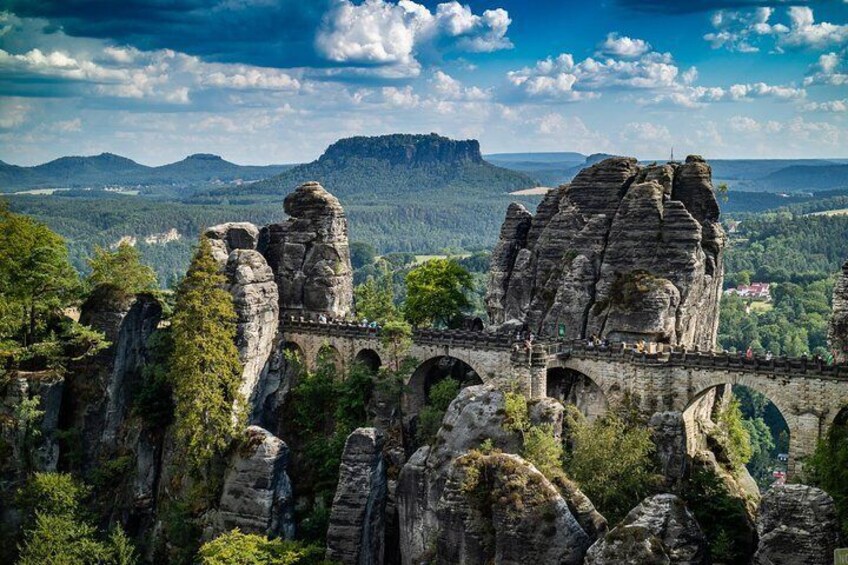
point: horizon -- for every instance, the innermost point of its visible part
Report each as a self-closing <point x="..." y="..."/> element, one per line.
<point x="278" y="82"/>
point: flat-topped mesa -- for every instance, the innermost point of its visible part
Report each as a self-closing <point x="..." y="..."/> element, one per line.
<point x="623" y="251"/>
<point x="310" y="255"/>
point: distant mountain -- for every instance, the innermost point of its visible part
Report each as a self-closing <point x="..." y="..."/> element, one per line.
<point x="805" y="177"/>
<point x="108" y="169"/>
<point x="396" y="168"/>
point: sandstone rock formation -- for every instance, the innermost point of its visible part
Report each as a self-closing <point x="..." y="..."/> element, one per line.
<point x="500" y="509"/>
<point x="838" y="331"/>
<point x="257" y="494"/>
<point x="624" y="251"/>
<point x="476" y="415"/>
<point x="660" y="530"/>
<point x="256" y="302"/>
<point x="309" y="254"/>
<point x="225" y="238"/>
<point x="797" y="524"/>
<point x="356" y="531"/>
<point x="668" y="432"/>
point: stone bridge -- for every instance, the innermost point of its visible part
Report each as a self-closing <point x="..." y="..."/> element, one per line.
<point x="809" y="394"/>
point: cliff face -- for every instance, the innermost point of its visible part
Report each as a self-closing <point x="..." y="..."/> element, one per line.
<point x="408" y="150"/>
<point x="624" y="252"/>
<point x="838" y="332"/>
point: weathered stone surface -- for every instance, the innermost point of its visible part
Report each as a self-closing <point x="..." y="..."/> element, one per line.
<point x="661" y="530"/>
<point x="797" y="524"/>
<point x="256" y="301"/>
<point x="838" y="331"/>
<point x="225" y="238"/>
<point x="668" y="432"/>
<point x="498" y="508"/>
<point x="622" y="252"/>
<point x="309" y="254"/>
<point x="476" y="415"/>
<point x="357" y="519"/>
<point x="257" y="494"/>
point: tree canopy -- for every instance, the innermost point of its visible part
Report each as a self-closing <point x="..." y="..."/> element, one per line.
<point x="437" y="292"/>
<point x="121" y="269"/>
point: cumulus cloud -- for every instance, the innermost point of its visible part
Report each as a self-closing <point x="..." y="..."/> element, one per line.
<point x="653" y="74"/>
<point x="835" y="106"/>
<point x="13" y="114"/>
<point x="378" y="32"/>
<point x="448" y="88"/>
<point x="623" y="47"/>
<point x="745" y="31"/>
<point x="401" y="97"/>
<point x="828" y="70"/>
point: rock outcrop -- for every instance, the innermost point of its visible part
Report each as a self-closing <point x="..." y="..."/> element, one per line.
<point x="624" y="252"/>
<point x="797" y="524"/>
<point x="660" y="530"/>
<point x="476" y="415"/>
<point x="838" y="331"/>
<point x="309" y="254"/>
<point x="668" y="432"/>
<point x="257" y="494"/>
<point x="356" y="532"/>
<point x="225" y="238"/>
<point x="256" y="302"/>
<point x="500" y="509"/>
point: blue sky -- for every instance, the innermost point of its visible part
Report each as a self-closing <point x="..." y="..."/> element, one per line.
<point x="275" y="81"/>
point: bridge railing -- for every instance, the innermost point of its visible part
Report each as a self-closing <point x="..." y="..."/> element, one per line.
<point x="678" y="356"/>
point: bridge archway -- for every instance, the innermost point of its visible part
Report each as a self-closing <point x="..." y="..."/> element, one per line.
<point x="703" y="412"/>
<point x="431" y="372"/>
<point x="329" y="354"/>
<point x="369" y="359"/>
<point x="294" y="362"/>
<point x="573" y="387"/>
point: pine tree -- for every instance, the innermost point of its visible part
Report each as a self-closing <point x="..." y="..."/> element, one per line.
<point x="205" y="367"/>
<point x="121" y="269"/>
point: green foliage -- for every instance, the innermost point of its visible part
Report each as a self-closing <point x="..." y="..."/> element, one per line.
<point x="154" y="402"/>
<point x="396" y="336"/>
<point x="51" y="493"/>
<point x="122" y="270"/>
<point x="762" y="460"/>
<point x="827" y="469"/>
<point x="517" y="418"/>
<point x="430" y="417"/>
<point x="121" y="549"/>
<point x="436" y="292"/>
<point x="442" y="393"/>
<point x="361" y="254"/>
<point x="61" y="539"/>
<point x="542" y="449"/>
<point x="375" y="298"/>
<point x="722" y="517"/>
<point x="611" y="461"/>
<point x="205" y="368"/>
<point x="733" y="434"/>
<point x="26" y="424"/>
<point x="236" y="548"/>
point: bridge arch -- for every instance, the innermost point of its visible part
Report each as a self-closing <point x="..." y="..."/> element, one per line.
<point x="432" y="371"/>
<point x="328" y="352"/>
<point x="369" y="359"/>
<point x="570" y="386"/>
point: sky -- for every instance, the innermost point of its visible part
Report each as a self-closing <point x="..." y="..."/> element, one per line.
<point x="277" y="81"/>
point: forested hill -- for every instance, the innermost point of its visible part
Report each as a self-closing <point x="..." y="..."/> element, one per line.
<point x="108" y="169"/>
<point x="396" y="168"/>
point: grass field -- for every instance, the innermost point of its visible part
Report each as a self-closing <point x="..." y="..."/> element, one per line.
<point x="839" y="212"/>
<point x="761" y="307"/>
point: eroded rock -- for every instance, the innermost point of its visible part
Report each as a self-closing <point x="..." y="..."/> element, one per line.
<point x="623" y="252"/>
<point x="796" y="524"/>
<point x="661" y="530"/>
<point x="838" y="330"/>
<point x="668" y="432"/>
<point x="357" y="519"/>
<point x="225" y="238"/>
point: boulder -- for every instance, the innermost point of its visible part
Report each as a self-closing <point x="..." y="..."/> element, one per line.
<point x="310" y="256"/>
<point x="661" y="530"/>
<point x="257" y="493"/>
<point x="498" y="508"/>
<point x="796" y="524"/>
<point x="356" y="531"/>
<point x="256" y="302"/>
<point x="623" y="251"/>
<point x="225" y="238"/>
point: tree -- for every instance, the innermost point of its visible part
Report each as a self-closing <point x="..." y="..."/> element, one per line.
<point x="361" y="254"/>
<point x="396" y="336"/>
<point x="236" y="548"/>
<point x="430" y="417"/>
<point x="734" y="434"/>
<point x="827" y="469"/>
<point x="121" y="269"/>
<point x="36" y="277"/>
<point x="375" y="298"/>
<point x="436" y="292"/>
<point x="205" y="367"/>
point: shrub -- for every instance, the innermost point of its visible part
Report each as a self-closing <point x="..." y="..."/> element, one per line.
<point x="236" y="548"/>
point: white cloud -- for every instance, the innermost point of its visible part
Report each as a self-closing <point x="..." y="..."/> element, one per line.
<point x="378" y="32"/>
<point x="836" y="106"/>
<point x="827" y="70"/>
<point x="646" y="131"/>
<point x="401" y="97"/>
<point x="448" y="88"/>
<point x="744" y="31"/>
<point x="623" y="46"/>
<point x="68" y="126"/>
<point x="13" y="114"/>
<point x="795" y="131"/>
